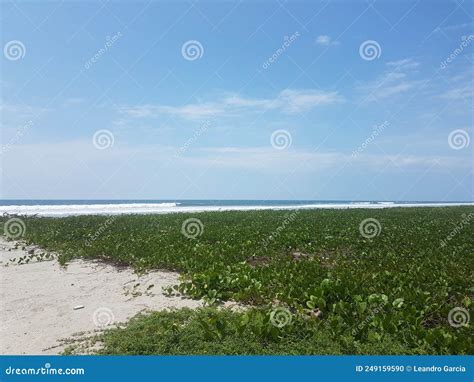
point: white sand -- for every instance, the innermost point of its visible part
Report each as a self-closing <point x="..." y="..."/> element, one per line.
<point x="38" y="299"/>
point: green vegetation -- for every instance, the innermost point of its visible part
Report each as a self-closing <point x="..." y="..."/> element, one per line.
<point x="211" y="331"/>
<point x="391" y="294"/>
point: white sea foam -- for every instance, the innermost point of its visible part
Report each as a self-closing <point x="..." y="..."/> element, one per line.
<point x="163" y="208"/>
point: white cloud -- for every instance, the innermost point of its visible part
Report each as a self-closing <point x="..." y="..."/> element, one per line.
<point x="191" y="111"/>
<point x="64" y="155"/>
<point x="455" y="27"/>
<point x="404" y="64"/>
<point x="76" y="169"/>
<point x="277" y="161"/>
<point x="238" y="101"/>
<point x="73" y="101"/>
<point x="288" y="101"/>
<point x="460" y="93"/>
<point x="325" y="40"/>
<point x="296" y="101"/>
<point x="16" y="117"/>
<point x="20" y="111"/>
<point x="396" y="79"/>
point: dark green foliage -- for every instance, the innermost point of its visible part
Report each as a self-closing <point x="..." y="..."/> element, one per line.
<point x="395" y="290"/>
<point x="211" y="331"/>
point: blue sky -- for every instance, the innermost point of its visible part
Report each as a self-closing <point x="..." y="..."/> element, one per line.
<point x="237" y="100"/>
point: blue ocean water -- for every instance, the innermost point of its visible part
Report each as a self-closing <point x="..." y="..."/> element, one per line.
<point x="196" y="203"/>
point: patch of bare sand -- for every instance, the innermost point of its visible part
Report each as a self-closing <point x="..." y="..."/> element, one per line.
<point x="43" y="303"/>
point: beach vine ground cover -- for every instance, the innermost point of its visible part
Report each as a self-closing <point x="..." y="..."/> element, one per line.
<point x="316" y="285"/>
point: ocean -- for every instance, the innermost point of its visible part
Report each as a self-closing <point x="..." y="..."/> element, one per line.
<point x="111" y="207"/>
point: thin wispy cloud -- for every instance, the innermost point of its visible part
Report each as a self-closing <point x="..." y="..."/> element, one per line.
<point x="243" y="157"/>
<point x="464" y="92"/>
<point x="223" y="92"/>
<point x="20" y="110"/>
<point x="73" y="101"/>
<point x="397" y="78"/>
<point x="455" y="27"/>
<point x="404" y="64"/>
<point x="288" y="101"/>
<point x="325" y="40"/>
<point x="231" y="157"/>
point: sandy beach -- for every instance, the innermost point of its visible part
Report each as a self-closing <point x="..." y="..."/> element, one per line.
<point x="45" y="306"/>
<point x="310" y="282"/>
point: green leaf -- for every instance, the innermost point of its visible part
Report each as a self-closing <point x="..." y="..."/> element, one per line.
<point x="398" y="303"/>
